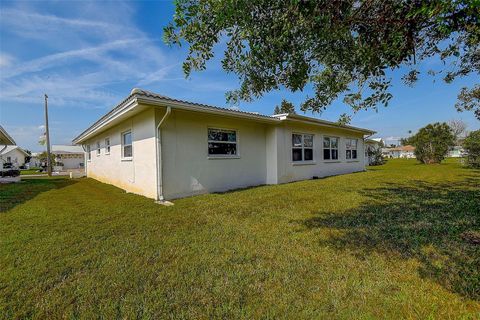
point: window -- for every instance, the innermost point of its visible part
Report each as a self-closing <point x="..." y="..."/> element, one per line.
<point x="330" y="148"/>
<point x="302" y="147"/>
<point x="98" y="148"/>
<point x="222" y="142"/>
<point x="89" y="155"/>
<point x="9" y="159"/>
<point x="107" y="146"/>
<point x="351" y="148"/>
<point x="127" y="144"/>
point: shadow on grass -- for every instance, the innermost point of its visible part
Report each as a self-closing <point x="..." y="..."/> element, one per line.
<point x="13" y="194"/>
<point x="425" y="221"/>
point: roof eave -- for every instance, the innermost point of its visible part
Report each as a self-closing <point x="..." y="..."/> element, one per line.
<point x="298" y="118"/>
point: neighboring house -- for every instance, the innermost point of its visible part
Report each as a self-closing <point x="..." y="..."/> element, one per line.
<point x="407" y="152"/>
<point x="14" y="155"/>
<point x="164" y="148"/>
<point x="456" y="152"/>
<point x="70" y="157"/>
<point x="5" y="141"/>
<point x="34" y="160"/>
<point x="372" y="145"/>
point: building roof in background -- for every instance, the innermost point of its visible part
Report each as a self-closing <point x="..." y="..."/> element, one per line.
<point x="407" y="148"/>
<point x="5" y="138"/>
<point x="11" y="148"/>
<point x="150" y="98"/>
<point x="64" y="149"/>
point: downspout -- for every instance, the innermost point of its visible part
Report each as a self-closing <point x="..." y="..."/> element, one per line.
<point x="1" y="158"/>
<point x="158" y="136"/>
<point x="85" y="159"/>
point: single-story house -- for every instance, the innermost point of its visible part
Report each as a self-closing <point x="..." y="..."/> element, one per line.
<point x="165" y="148"/>
<point x="68" y="157"/>
<point x="34" y="160"/>
<point x="5" y="141"/>
<point x="407" y="152"/>
<point x="456" y="152"/>
<point x="14" y="155"/>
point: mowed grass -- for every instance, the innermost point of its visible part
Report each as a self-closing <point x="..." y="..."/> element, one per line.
<point x="387" y="243"/>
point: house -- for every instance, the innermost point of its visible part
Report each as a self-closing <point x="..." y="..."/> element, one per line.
<point x="372" y="145"/>
<point x="13" y="155"/>
<point x="456" y="152"/>
<point x="35" y="161"/>
<point x="5" y="141"/>
<point x="165" y="148"/>
<point x="407" y="152"/>
<point x="68" y="157"/>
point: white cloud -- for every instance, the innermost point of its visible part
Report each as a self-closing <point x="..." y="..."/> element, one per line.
<point x="84" y="57"/>
<point x="6" y="60"/>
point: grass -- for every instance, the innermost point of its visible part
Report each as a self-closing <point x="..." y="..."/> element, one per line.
<point x="30" y="171"/>
<point x="387" y="243"/>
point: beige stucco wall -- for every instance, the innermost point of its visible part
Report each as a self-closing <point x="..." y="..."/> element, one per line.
<point x="264" y="154"/>
<point x="137" y="175"/>
<point x="188" y="170"/>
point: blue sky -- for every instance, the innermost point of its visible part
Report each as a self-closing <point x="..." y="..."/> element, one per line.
<point x="87" y="56"/>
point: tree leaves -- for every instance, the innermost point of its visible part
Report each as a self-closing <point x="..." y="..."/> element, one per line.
<point x="343" y="48"/>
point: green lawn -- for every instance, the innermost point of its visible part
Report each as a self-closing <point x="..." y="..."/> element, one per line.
<point x="395" y="242"/>
<point x="30" y="171"/>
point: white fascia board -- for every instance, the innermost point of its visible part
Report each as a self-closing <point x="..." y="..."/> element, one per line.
<point x="121" y="111"/>
<point x="197" y="108"/>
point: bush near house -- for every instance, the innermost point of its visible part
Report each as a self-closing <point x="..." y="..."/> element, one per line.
<point x="375" y="157"/>
<point x="471" y="145"/>
<point x="432" y="142"/>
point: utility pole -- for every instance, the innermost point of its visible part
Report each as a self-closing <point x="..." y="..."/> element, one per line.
<point x="47" y="134"/>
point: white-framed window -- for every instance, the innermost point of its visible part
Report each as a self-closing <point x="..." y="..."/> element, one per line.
<point x="127" y="147"/>
<point x="222" y="143"/>
<point x="98" y="148"/>
<point x="330" y="148"/>
<point x="107" y="145"/>
<point x="89" y="154"/>
<point x="302" y="147"/>
<point x="9" y="159"/>
<point x="351" y="149"/>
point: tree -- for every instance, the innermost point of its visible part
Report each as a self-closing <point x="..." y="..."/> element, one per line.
<point x="341" y="48"/>
<point x="458" y="128"/>
<point x="432" y="142"/>
<point x="43" y="158"/>
<point x="27" y="158"/>
<point x="472" y="147"/>
<point x="285" y="107"/>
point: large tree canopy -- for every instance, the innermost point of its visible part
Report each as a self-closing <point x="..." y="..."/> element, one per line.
<point x="342" y="48"/>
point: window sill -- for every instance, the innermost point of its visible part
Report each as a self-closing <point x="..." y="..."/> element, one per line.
<point x="127" y="159"/>
<point x="332" y="161"/>
<point x="303" y="163"/>
<point x="356" y="160"/>
<point x="222" y="157"/>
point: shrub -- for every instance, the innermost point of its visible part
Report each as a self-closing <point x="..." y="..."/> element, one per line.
<point x="10" y="173"/>
<point x="471" y="145"/>
<point x="432" y="142"/>
<point x="375" y="157"/>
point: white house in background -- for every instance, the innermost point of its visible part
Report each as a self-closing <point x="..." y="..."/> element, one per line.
<point x="407" y="152"/>
<point x="34" y="160"/>
<point x="456" y="152"/>
<point x="14" y="155"/>
<point x="5" y="141"/>
<point x="165" y="148"/>
<point x="72" y="157"/>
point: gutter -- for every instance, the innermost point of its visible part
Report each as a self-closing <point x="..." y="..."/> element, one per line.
<point x="158" y="138"/>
